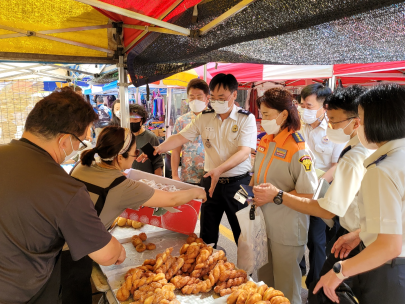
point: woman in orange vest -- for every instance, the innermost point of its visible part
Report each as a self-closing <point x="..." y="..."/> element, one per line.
<point x="283" y="161"/>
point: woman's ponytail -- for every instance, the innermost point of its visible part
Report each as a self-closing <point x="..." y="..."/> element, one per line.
<point x="87" y="157"/>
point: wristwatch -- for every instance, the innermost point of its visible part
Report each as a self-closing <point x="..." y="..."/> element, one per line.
<point x="338" y="270"/>
<point x="278" y="199"/>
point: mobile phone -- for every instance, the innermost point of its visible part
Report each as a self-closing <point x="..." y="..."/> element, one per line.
<point x="148" y="150"/>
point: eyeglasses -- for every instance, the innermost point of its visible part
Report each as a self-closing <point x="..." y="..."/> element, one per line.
<point x="330" y="124"/>
<point x="219" y="101"/>
<point x="82" y="144"/>
<point x="137" y="153"/>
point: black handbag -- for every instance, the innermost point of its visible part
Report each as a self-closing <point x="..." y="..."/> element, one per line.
<point x="343" y="291"/>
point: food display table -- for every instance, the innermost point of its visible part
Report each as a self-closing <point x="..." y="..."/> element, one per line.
<point x="162" y="239"/>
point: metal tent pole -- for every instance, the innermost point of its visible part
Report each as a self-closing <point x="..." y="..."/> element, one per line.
<point x="332" y="83"/>
<point x="205" y="72"/>
<point x="123" y="90"/>
<point x="168" y="112"/>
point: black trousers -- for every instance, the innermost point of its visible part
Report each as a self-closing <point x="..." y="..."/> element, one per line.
<point x="51" y="292"/>
<point x="385" y="284"/>
<point x="316" y="246"/>
<point x="327" y="266"/>
<point x="222" y="201"/>
<point x="76" y="286"/>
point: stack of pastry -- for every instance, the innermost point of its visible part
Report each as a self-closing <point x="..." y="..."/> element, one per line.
<point x="250" y="293"/>
<point x="137" y="241"/>
<point x="198" y="269"/>
<point x="148" y="284"/>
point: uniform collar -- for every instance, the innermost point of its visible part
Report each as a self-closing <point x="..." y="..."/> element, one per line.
<point x="282" y="137"/>
<point x="388" y="147"/>
<point x="323" y="124"/>
<point x="353" y="141"/>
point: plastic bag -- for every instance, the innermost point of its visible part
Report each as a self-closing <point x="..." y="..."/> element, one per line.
<point x="252" y="243"/>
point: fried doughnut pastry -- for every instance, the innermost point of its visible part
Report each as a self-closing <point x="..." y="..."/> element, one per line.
<point x="279" y="300"/>
<point x="150" y="246"/>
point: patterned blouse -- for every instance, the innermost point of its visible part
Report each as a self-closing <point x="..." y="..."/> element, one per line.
<point x="192" y="160"/>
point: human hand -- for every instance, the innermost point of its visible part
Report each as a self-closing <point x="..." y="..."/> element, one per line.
<point x="201" y="194"/>
<point x="264" y="193"/>
<point x="142" y="158"/>
<point x="329" y="282"/>
<point x="158" y="150"/>
<point x="176" y="177"/>
<point x="214" y="174"/>
<point x="345" y="244"/>
<point x="122" y="256"/>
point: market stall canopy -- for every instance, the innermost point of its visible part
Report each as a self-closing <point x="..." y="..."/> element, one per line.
<point x="249" y="72"/>
<point x="296" y="32"/>
<point x="53" y="31"/>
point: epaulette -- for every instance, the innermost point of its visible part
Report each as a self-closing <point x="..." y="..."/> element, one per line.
<point x="208" y="111"/>
<point x="245" y="112"/>
<point x="298" y="137"/>
<point x="381" y="158"/>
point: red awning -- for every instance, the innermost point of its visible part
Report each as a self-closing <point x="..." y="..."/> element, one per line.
<point x="151" y="8"/>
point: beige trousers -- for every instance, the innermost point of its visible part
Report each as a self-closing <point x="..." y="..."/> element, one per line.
<point x="283" y="271"/>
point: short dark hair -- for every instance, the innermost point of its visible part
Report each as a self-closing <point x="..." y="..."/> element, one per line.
<point x="109" y="144"/>
<point x="345" y="99"/>
<point x="140" y="110"/>
<point x="317" y="89"/>
<point x="280" y="100"/>
<point x="199" y="84"/>
<point x="77" y="89"/>
<point x="227" y="81"/>
<point x="384" y="112"/>
<point x="63" y="111"/>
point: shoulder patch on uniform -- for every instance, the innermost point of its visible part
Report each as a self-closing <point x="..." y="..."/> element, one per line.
<point x="208" y="111"/>
<point x="381" y="158"/>
<point x="298" y="137"/>
<point x="306" y="161"/>
<point x="245" y="112"/>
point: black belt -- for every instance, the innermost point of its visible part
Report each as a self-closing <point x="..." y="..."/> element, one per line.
<point x="393" y="262"/>
<point x="228" y="180"/>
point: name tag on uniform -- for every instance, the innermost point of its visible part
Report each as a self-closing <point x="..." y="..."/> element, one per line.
<point x="280" y="153"/>
<point x="261" y="149"/>
<point x="210" y="129"/>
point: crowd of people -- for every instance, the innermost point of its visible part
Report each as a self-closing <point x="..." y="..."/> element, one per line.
<point x="352" y="139"/>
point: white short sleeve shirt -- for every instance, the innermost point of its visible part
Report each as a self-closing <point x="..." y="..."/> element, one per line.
<point x="325" y="151"/>
<point x="382" y="193"/>
<point x="222" y="139"/>
<point x="341" y="197"/>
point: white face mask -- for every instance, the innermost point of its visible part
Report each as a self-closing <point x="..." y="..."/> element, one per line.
<point x="71" y="155"/>
<point x="271" y="126"/>
<point x="118" y="114"/>
<point x="197" y="106"/>
<point x="309" y="116"/>
<point x="300" y="110"/>
<point x="220" y="108"/>
<point x="338" y="136"/>
<point x="363" y="140"/>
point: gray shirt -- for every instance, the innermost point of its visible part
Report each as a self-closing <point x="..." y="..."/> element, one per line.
<point x="148" y="166"/>
<point x="41" y="208"/>
<point x="128" y="194"/>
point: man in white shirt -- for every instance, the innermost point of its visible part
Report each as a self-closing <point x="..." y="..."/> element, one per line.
<point x="326" y="155"/>
<point x="228" y="134"/>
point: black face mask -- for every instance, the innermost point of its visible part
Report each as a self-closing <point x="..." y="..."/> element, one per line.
<point x="135" y="126"/>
